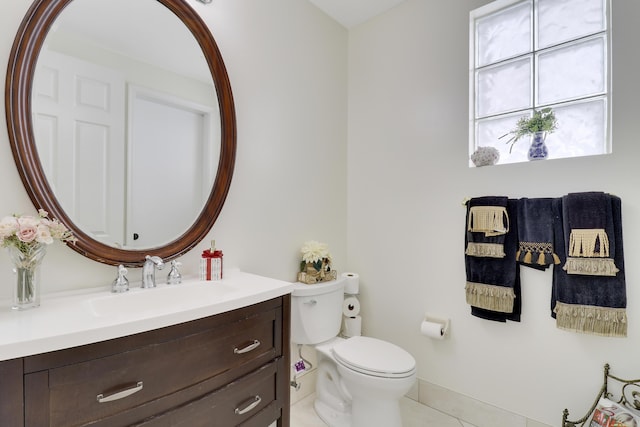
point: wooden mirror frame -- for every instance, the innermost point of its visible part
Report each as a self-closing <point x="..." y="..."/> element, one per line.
<point x="18" y="87"/>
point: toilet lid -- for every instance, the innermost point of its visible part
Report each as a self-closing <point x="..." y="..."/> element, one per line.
<point x="374" y="357"/>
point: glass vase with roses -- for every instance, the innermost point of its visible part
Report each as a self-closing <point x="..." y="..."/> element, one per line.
<point x="26" y="237"/>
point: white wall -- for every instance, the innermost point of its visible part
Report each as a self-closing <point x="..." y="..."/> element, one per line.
<point x="407" y="177"/>
<point x="287" y="65"/>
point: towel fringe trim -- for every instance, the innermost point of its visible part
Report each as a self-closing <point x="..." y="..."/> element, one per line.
<point x="589" y="242"/>
<point x="589" y="319"/>
<point x="485" y="250"/>
<point x="591" y="266"/>
<point x="490" y="220"/>
<point x="490" y="297"/>
<point x="536" y="253"/>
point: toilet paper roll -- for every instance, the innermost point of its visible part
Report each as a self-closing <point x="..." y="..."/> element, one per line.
<point x="352" y="283"/>
<point x="353" y="326"/>
<point x="434" y="330"/>
<point x="351" y="307"/>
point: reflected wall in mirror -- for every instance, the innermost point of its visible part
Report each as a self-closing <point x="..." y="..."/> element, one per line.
<point x="122" y="123"/>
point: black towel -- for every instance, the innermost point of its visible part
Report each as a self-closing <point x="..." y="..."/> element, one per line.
<point x="588" y="224"/>
<point x="487" y="225"/>
<point x="535" y="233"/>
<point x="587" y="303"/>
<point x="491" y="282"/>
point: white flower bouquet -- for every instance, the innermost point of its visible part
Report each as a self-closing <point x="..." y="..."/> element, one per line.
<point x="316" y="263"/>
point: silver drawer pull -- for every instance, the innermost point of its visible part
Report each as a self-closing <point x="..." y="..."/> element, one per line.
<point x="256" y="401"/>
<point x="255" y="344"/>
<point x="119" y="395"/>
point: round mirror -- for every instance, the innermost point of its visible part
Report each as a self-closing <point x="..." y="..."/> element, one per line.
<point x="122" y="124"/>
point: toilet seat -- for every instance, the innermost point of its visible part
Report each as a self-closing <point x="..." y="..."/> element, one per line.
<point x="371" y="356"/>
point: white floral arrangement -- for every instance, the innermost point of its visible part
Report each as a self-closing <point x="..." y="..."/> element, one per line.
<point x="316" y="263"/>
<point x="485" y="156"/>
<point x="26" y="232"/>
<point x="315" y="252"/>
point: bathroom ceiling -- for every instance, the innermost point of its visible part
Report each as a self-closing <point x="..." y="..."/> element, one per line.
<point x="353" y="12"/>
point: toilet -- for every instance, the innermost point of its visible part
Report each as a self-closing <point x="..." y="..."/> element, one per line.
<point x="360" y="379"/>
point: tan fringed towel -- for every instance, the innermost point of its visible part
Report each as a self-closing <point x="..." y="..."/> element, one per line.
<point x="602" y="321"/>
<point x="589" y="253"/>
<point x="490" y="220"/>
<point x="586" y="242"/>
<point x="486" y="250"/>
<point x="487" y="225"/>
<point x="490" y="297"/>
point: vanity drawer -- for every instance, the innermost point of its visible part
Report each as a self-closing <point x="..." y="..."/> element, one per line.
<point x="153" y="371"/>
<point x="253" y="395"/>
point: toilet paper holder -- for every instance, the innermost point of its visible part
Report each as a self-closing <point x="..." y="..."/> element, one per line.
<point x="445" y="322"/>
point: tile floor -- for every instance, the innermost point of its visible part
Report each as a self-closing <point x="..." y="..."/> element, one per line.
<point x="414" y="414"/>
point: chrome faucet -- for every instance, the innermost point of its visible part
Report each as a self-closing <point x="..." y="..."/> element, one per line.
<point x="149" y="271"/>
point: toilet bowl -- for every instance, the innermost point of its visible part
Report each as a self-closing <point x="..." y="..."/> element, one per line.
<point x="360" y="379"/>
<point x="333" y="400"/>
<point x="360" y="382"/>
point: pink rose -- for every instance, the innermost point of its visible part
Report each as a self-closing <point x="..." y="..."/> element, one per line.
<point x="27" y="229"/>
<point x="27" y="234"/>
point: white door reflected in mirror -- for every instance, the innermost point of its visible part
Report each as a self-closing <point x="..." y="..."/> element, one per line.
<point x="170" y="144"/>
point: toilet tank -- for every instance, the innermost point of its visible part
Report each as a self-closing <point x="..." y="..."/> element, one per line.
<point x="316" y="311"/>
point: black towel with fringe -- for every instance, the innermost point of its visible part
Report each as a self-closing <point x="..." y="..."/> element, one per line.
<point x="535" y="233"/>
<point x="585" y="302"/>
<point x="487" y="225"/>
<point x="492" y="287"/>
<point x="588" y="225"/>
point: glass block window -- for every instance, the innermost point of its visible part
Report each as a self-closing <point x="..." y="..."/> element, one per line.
<point x="526" y="55"/>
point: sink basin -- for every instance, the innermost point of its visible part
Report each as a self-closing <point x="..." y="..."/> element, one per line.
<point x="160" y="299"/>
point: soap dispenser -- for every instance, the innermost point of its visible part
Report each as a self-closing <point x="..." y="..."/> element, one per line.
<point x="174" y="277"/>
<point x="121" y="284"/>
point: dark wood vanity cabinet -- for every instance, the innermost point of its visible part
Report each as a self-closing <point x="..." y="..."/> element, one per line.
<point x="225" y="370"/>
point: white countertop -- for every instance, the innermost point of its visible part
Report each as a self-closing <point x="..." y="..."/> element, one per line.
<point x="71" y="319"/>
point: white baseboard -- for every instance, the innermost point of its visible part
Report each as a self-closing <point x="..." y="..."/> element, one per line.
<point x="468" y="409"/>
